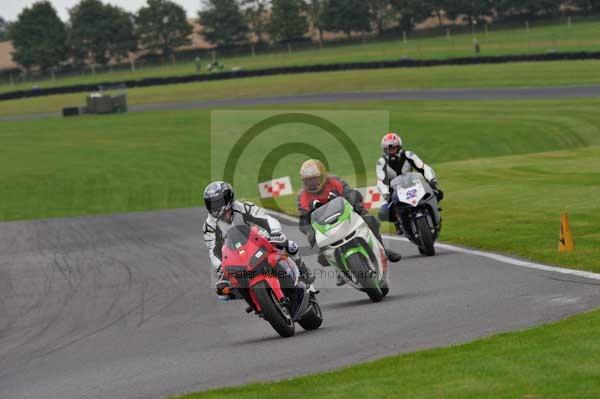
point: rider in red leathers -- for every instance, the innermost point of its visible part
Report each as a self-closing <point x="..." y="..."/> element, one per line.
<point x="319" y="188"/>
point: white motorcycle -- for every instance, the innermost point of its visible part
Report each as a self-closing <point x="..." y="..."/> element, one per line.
<point x="416" y="207"/>
<point x="347" y="242"/>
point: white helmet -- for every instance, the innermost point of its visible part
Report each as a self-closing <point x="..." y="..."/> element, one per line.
<point x="391" y="144"/>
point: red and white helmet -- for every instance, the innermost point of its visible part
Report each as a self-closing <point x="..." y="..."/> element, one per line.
<point x="391" y="145"/>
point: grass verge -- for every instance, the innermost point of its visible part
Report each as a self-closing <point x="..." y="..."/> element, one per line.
<point x="554" y="361"/>
<point x="553" y="73"/>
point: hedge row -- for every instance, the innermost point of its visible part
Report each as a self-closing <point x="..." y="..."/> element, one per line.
<point x="402" y="63"/>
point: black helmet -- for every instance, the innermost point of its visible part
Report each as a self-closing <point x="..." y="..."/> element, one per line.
<point x="218" y="197"/>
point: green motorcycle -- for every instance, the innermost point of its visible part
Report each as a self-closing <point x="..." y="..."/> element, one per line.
<point x="347" y="242"/>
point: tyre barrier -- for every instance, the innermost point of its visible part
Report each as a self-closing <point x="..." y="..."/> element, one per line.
<point x="401" y="63"/>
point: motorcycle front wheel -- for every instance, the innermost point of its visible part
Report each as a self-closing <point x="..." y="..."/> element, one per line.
<point x="276" y="314"/>
<point x="425" y="236"/>
<point x="362" y="273"/>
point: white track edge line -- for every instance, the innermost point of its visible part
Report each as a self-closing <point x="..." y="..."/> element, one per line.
<point x="485" y="254"/>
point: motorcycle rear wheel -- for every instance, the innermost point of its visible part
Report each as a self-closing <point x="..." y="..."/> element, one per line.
<point x="384" y="288"/>
<point x="313" y="318"/>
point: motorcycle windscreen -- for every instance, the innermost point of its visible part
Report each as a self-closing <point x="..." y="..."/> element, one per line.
<point x="237" y="236"/>
<point x="330" y="212"/>
<point x="407" y="180"/>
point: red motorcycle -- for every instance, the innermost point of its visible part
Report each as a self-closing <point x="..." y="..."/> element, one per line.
<point x="267" y="278"/>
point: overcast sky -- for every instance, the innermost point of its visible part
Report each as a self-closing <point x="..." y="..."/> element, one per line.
<point x="10" y="9"/>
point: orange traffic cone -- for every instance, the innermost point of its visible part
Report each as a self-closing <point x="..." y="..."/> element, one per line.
<point x="565" y="243"/>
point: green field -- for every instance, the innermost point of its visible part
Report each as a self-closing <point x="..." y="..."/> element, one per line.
<point x="475" y="76"/>
<point x="540" y="39"/>
<point x="500" y="162"/>
<point x="557" y="361"/>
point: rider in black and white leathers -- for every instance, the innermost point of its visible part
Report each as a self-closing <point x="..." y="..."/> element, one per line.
<point x="395" y="162"/>
<point x="243" y="213"/>
<point x="407" y="162"/>
<point x="225" y="212"/>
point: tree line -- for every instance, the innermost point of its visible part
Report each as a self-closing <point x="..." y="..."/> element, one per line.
<point x="97" y="32"/>
<point x="234" y="22"/>
<point x="3" y="28"/>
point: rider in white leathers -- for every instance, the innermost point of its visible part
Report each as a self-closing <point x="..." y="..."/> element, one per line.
<point x="224" y="212"/>
<point x="395" y="162"/>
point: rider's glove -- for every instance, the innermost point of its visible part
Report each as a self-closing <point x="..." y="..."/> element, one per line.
<point x="279" y="240"/>
<point x="315" y="204"/>
<point x="291" y="248"/>
<point x="439" y="194"/>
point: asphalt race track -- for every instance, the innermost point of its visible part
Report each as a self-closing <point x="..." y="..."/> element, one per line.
<point x="392" y="95"/>
<point x="121" y="307"/>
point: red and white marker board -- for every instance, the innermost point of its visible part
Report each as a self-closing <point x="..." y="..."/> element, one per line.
<point x="372" y="198"/>
<point x="275" y="188"/>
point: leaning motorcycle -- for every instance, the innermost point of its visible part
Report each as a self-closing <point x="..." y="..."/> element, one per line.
<point x="268" y="279"/>
<point x="415" y="206"/>
<point x="347" y="242"/>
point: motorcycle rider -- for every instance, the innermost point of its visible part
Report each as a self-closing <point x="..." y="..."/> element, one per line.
<point x="395" y="162"/>
<point x="319" y="188"/>
<point x="224" y="212"/>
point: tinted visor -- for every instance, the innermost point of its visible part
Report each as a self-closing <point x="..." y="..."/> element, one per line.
<point x="215" y="205"/>
<point x="312" y="184"/>
<point x="392" y="150"/>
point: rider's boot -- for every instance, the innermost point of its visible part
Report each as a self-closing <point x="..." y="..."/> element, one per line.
<point x="373" y="224"/>
<point x="305" y="275"/>
<point x="224" y="290"/>
<point x="399" y="229"/>
<point x="322" y="260"/>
